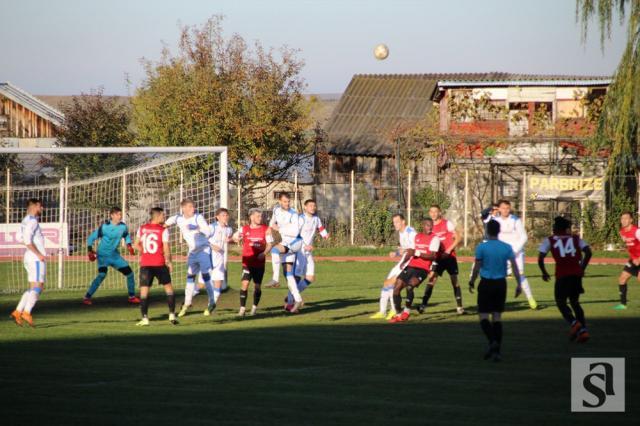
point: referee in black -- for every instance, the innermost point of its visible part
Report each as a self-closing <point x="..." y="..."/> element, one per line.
<point x="492" y="256"/>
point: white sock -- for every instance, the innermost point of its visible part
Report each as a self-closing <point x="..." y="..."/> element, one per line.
<point x="23" y="301"/>
<point x="384" y="300"/>
<point x="275" y="263"/>
<point x="524" y="283"/>
<point x="216" y="295"/>
<point x="34" y="295"/>
<point x="188" y="293"/>
<point x="293" y="288"/>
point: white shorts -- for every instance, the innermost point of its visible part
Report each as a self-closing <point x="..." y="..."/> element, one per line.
<point x="36" y="270"/>
<point x="294" y="246"/>
<point x="305" y="265"/>
<point x="395" y="271"/>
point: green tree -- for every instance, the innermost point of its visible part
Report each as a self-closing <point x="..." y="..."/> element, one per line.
<point x="94" y="120"/>
<point x="619" y="123"/>
<point x="218" y="91"/>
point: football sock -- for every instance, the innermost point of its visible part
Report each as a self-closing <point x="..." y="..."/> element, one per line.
<point x="257" y="293"/>
<point x="458" y="295"/>
<point x="171" y="302"/>
<point x="293" y="286"/>
<point x="216" y="295"/>
<point x="131" y="285"/>
<point x="243" y="298"/>
<point x="188" y="292"/>
<point x="275" y="264"/>
<point x="410" y="296"/>
<point x="23" y="301"/>
<point x="34" y="295"/>
<point x="95" y="284"/>
<point x="144" y="307"/>
<point x="427" y="294"/>
<point x="565" y="310"/>
<point x="524" y="283"/>
<point x="577" y="310"/>
<point x="623" y="293"/>
<point x="497" y="331"/>
<point x="384" y="298"/>
<point x="486" y="327"/>
<point x="397" y="302"/>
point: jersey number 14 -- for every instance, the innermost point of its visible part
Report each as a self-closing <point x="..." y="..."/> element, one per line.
<point x="565" y="248"/>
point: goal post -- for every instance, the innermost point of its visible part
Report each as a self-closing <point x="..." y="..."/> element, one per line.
<point x="77" y="203"/>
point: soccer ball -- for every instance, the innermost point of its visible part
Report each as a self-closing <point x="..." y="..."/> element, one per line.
<point x="381" y="52"/>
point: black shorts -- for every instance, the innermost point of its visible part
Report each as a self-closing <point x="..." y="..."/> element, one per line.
<point x="409" y="272"/>
<point x="148" y="273"/>
<point x="449" y="264"/>
<point x="491" y="295"/>
<point x="569" y="287"/>
<point x="252" y="273"/>
<point x="631" y="268"/>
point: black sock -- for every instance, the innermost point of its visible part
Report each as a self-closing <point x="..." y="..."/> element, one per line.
<point x="623" y="294"/>
<point x="144" y="307"/>
<point x="410" y="296"/>
<point x="497" y="332"/>
<point x="577" y="310"/>
<point x="458" y="295"/>
<point x="565" y="311"/>
<point x="257" y="293"/>
<point x="485" y="325"/>
<point x="243" y="298"/>
<point x="171" y="302"/>
<point x="427" y="294"/>
<point x="397" y="302"/>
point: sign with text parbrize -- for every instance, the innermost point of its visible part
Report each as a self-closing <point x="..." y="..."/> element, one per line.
<point x="554" y="187"/>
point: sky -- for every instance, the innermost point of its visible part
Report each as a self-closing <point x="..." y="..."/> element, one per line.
<point x="67" y="47"/>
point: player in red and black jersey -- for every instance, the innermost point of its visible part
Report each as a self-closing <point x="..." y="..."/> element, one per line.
<point x="152" y="241"/>
<point x="256" y="243"/>
<point x="424" y="249"/>
<point x="631" y="236"/>
<point x="572" y="256"/>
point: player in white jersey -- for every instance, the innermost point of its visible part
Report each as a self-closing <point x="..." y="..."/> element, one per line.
<point x="406" y="235"/>
<point x="30" y="235"/>
<point x="282" y="214"/>
<point x="220" y="237"/>
<point x="305" y="266"/>
<point x="195" y="232"/>
<point x="513" y="233"/>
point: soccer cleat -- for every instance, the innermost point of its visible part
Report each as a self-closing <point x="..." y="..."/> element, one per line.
<point x="378" y="315"/>
<point x="210" y="308"/>
<point x="134" y="300"/>
<point x="87" y="301"/>
<point x="27" y="318"/>
<point x="242" y="311"/>
<point x="144" y="322"/>
<point x="574" y="329"/>
<point x="421" y="308"/>
<point x="16" y="317"/>
<point x="532" y="303"/>
<point x="254" y="309"/>
<point x="273" y="284"/>
<point x="460" y="310"/>
<point x="390" y="315"/>
<point x="288" y="307"/>
<point x="620" y="307"/>
<point x="403" y="317"/>
<point x="491" y="350"/>
<point x="183" y="310"/>
<point x="497" y="357"/>
<point x="172" y="319"/>
<point x="295" y="309"/>
<point x="583" y="336"/>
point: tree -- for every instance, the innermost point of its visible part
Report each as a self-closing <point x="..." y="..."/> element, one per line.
<point x="618" y="128"/>
<point x="220" y="92"/>
<point x="94" y="120"/>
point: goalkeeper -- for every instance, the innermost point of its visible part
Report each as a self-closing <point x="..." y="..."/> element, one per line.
<point x="110" y="233"/>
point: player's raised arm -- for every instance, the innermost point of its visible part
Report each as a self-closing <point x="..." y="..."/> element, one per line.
<point x="171" y="221"/>
<point x="203" y="226"/>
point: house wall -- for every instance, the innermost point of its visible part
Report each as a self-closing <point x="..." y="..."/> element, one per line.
<point x="20" y="122"/>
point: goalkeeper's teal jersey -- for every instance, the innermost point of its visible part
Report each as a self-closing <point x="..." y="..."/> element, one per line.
<point x="109" y="236"/>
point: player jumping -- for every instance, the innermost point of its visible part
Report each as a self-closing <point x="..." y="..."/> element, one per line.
<point x="282" y="213"/>
<point x="631" y="236"/>
<point x="513" y="233"/>
<point x="254" y="250"/>
<point x="195" y="232"/>
<point x="34" y="262"/>
<point x="110" y="233"/>
<point x="567" y="250"/>
<point x="446" y="261"/>
<point x="423" y="250"/>
<point x="406" y="235"/>
<point x="152" y="241"/>
<point x="220" y="233"/>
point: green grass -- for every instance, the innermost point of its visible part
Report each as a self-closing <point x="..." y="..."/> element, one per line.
<point x="328" y="365"/>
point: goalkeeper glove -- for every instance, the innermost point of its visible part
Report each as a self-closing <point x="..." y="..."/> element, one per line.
<point x="92" y="255"/>
<point x="131" y="250"/>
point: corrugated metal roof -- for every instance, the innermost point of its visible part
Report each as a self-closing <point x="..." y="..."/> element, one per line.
<point x="375" y="104"/>
<point x="32" y="103"/>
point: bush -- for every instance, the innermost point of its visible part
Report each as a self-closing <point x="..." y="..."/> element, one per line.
<point x="429" y="195"/>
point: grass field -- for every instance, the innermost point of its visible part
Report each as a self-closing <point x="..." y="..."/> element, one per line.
<point x="328" y="365"/>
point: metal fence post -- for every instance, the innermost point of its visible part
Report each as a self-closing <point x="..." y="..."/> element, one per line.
<point x="61" y="231"/>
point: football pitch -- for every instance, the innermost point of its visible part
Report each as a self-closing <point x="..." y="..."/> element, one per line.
<point x="328" y="365"/>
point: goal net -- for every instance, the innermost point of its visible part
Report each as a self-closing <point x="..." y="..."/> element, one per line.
<point x="79" y="187"/>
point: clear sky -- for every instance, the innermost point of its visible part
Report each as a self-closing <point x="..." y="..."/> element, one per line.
<point x="70" y="46"/>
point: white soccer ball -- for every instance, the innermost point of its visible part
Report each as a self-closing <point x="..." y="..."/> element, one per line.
<point x="381" y="52"/>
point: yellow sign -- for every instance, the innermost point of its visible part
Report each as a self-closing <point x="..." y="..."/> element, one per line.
<point x="541" y="187"/>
